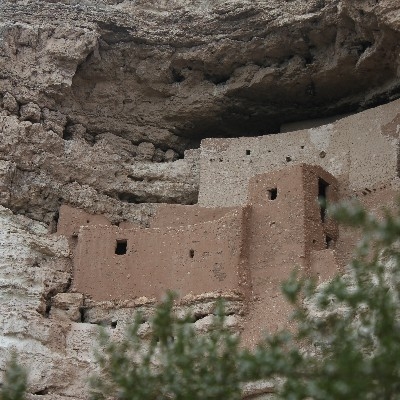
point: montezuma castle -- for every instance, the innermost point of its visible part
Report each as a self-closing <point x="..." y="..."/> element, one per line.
<point x="259" y="215"/>
<point x="185" y="145"/>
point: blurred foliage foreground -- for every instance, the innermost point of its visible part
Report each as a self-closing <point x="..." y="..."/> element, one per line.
<point x="346" y="345"/>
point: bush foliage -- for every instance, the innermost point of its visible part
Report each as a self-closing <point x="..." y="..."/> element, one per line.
<point x="14" y="382"/>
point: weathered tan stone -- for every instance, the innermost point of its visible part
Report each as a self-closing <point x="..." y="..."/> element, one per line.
<point x="30" y="112"/>
<point x="67" y="306"/>
<point x="107" y="76"/>
<point x="9" y="103"/>
<point x="145" y="151"/>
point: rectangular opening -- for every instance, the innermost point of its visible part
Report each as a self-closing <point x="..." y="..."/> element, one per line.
<point x="121" y="246"/>
<point x="329" y="242"/>
<point x="272" y="193"/>
<point x="248" y="152"/>
<point x="191" y="253"/>
<point x="322" y="197"/>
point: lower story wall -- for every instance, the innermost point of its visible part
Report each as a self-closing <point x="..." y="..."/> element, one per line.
<point x="114" y="263"/>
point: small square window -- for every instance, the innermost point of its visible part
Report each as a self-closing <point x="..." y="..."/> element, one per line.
<point x="121" y="247"/>
<point x="272" y="193"/>
<point x="248" y="152"/>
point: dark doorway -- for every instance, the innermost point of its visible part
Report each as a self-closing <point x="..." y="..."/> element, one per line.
<point x="121" y="247"/>
<point x="322" y="197"/>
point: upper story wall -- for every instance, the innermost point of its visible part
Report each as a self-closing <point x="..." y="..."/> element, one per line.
<point x="287" y="221"/>
<point x="178" y="214"/>
<point x="360" y="151"/>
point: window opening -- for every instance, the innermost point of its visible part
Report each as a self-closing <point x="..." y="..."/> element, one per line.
<point x="191" y="253"/>
<point x="329" y="242"/>
<point x="322" y="197"/>
<point x="121" y="246"/>
<point x="248" y="152"/>
<point x="272" y="193"/>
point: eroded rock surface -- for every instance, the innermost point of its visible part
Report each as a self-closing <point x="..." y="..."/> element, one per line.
<point x="39" y="170"/>
<point x="90" y="91"/>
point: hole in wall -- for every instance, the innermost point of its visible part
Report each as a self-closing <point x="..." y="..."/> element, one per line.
<point x="128" y="198"/>
<point x="67" y="133"/>
<point x="288" y="158"/>
<point x="322" y="197"/>
<point x="136" y="178"/>
<point x="248" y="152"/>
<point x="114" y="324"/>
<point x="329" y="242"/>
<point x="272" y="193"/>
<point x="82" y="314"/>
<point x="121" y="246"/>
<point x="42" y="392"/>
<point x="191" y="253"/>
<point x="177" y="76"/>
<point x="199" y="316"/>
<point x="217" y="79"/>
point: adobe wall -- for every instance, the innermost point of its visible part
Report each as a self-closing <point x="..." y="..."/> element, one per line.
<point x="177" y="215"/>
<point x="192" y="259"/>
<point x="283" y="233"/>
<point x="71" y="219"/>
<point x="360" y="151"/>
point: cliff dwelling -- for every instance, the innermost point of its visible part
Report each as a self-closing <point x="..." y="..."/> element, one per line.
<point x="268" y="216"/>
<point x="188" y="145"/>
<point x="217" y="251"/>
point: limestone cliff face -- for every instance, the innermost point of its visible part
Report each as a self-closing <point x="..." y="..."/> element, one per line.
<point x="103" y="105"/>
<point x="90" y="88"/>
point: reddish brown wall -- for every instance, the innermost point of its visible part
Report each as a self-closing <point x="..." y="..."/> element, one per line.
<point x="71" y="219"/>
<point x="178" y="215"/>
<point x="282" y="233"/>
<point x="159" y="259"/>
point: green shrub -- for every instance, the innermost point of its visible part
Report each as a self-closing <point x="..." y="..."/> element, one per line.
<point x="14" y="382"/>
<point x="176" y="363"/>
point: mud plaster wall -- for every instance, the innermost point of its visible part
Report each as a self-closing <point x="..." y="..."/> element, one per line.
<point x="178" y="215"/>
<point x="282" y="232"/>
<point x="74" y="218"/>
<point x="192" y="259"/>
<point x="360" y="151"/>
